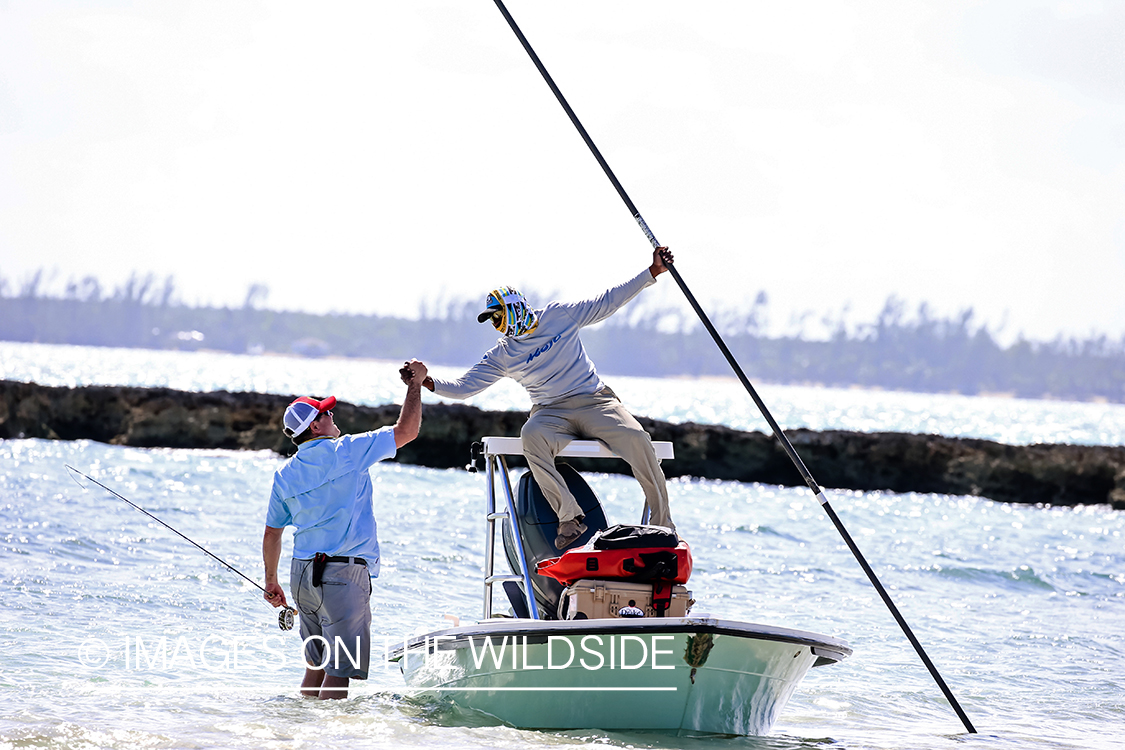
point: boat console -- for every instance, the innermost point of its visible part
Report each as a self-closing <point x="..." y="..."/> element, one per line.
<point x="529" y="534"/>
<point x="538" y="526"/>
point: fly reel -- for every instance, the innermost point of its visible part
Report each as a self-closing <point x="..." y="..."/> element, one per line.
<point x="286" y="618"/>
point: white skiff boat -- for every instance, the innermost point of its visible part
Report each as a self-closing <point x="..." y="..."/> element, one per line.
<point x="689" y="674"/>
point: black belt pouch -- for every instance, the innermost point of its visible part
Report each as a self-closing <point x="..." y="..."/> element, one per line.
<point x="319" y="561"/>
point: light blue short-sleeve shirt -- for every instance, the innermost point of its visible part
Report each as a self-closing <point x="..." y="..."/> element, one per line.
<point x="324" y="492"/>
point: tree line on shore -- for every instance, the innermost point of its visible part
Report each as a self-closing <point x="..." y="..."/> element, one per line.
<point x="918" y="352"/>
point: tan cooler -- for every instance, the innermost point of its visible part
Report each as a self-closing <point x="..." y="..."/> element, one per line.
<point x="598" y="599"/>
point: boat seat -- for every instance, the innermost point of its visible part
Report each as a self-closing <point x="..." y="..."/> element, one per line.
<point x="514" y="591"/>
<point x="538" y="526"/>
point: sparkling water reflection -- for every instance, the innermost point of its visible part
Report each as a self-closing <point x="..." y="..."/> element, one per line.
<point x="1022" y="609"/>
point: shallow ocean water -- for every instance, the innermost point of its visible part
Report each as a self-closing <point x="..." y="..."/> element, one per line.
<point x="1021" y="608"/>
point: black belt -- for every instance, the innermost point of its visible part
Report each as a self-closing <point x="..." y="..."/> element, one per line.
<point x="352" y="560"/>
<point x="321" y="559"/>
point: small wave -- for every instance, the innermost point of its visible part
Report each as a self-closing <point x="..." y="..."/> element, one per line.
<point x="1010" y="579"/>
<point x="766" y="531"/>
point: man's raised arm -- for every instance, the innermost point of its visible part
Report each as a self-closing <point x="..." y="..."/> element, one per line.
<point x="410" y="418"/>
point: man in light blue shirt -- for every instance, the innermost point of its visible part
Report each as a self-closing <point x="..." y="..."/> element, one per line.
<point x="324" y="492"/>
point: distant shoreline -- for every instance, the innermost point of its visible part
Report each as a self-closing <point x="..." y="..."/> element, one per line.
<point x="922" y="355"/>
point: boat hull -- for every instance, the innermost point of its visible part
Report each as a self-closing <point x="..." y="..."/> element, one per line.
<point x="669" y="674"/>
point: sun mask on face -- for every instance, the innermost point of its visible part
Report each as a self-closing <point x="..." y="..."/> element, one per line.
<point x="509" y="312"/>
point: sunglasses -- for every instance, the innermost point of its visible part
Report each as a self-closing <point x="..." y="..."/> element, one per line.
<point x="325" y="413"/>
<point x="497" y="319"/>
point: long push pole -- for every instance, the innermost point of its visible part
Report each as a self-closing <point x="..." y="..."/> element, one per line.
<point x="781" y="438"/>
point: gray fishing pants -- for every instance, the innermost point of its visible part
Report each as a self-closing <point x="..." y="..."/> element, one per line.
<point x="596" y="417"/>
<point x="335" y="617"/>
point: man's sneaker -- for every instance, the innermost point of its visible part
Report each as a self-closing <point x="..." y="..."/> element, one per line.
<point x="569" y="531"/>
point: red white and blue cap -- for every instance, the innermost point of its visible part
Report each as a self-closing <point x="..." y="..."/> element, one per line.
<point x="301" y="413"/>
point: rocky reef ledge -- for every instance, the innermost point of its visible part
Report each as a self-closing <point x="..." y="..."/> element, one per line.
<point x="161" y="417"/>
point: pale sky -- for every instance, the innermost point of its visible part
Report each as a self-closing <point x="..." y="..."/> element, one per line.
<point x="363" y="156"/>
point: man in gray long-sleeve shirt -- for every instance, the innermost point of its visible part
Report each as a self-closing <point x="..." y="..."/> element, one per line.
<point x="542" y="352"/>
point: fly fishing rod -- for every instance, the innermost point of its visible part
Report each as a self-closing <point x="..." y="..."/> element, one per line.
<point x="284" y="617"/>
<point x="781" y="438"/>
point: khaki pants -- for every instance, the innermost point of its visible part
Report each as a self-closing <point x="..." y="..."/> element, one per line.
<point x="597" y="417"/>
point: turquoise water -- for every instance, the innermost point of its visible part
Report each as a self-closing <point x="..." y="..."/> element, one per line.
<point x="1022" y="608"/>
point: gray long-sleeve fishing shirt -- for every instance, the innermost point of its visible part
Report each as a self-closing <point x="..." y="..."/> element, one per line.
<point x="550" y="362"/>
